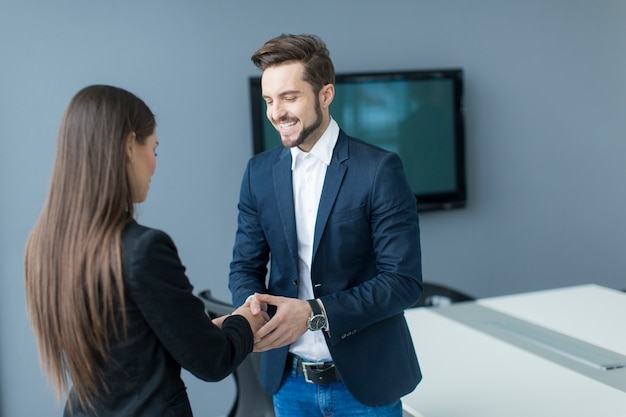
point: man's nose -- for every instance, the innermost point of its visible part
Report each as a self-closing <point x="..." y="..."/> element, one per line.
<point x="278" y="112"/>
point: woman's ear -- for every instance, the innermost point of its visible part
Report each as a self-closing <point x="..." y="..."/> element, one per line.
<point x="130" y="146"/>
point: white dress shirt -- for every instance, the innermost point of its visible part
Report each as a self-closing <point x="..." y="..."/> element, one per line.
<point x="308" y="171"/>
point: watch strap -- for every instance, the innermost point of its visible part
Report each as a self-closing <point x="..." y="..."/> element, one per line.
<point x="315" y="307"/>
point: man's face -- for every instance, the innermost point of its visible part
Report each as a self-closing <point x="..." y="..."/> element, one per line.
<point x="294" y="110"/>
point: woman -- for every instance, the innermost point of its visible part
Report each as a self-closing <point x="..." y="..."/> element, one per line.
<point x="109" y="300"/>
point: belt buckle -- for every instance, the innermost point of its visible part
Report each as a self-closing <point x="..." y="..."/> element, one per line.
<point x="305" y="370"/>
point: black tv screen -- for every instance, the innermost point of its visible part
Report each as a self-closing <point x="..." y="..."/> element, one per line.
<point x="416" y="114"/>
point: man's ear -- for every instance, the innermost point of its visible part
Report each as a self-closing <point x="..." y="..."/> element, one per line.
<point x="327" y="94"/>
<point x="130" y="146"/>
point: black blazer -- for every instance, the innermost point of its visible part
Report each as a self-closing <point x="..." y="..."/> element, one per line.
<point x="366" y="262"/>
<point x="166" y="328"/>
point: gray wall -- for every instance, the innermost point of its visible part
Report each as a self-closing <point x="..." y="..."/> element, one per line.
<point x="545" y="101"/>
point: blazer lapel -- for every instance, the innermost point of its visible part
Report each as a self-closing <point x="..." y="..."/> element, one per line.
<point x="332" y="182"/>
<point x="283" y="189"/>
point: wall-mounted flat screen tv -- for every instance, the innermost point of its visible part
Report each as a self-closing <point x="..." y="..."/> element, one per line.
<point x="417" y="114"/>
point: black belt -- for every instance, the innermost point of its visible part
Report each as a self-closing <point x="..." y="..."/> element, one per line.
<point x="314" y="372"/>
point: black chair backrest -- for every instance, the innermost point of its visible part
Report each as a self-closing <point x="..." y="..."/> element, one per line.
<point x="435" y="295"/>
<point x="251" y="399"/>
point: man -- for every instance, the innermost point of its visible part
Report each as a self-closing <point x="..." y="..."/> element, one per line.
<point x="338" y="223"/>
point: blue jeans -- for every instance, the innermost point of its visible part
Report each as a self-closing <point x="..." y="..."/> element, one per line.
<point x="298" y="398"/>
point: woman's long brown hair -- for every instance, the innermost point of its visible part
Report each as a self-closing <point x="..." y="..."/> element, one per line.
<point x="73" y="261"/>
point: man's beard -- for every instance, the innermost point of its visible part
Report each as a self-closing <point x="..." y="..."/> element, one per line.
<point x="309" y="130"/>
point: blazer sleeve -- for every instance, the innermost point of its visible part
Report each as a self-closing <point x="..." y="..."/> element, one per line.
<point x="251" y="250"/>
<point x="391" y="227"/>
<point x="158" y="284"/>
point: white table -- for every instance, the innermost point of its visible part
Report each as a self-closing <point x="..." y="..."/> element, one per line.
<point x="523" y="355"/>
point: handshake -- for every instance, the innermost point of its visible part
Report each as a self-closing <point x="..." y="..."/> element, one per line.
<point x="284" y="328"/>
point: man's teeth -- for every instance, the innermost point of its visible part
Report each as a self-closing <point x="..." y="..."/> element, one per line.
<point x="287" y="125"/>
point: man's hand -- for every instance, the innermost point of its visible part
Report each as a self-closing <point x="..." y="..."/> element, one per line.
<point x="257" y="321"/>
<point x="255" y="304"/>
<point x="287" y="325"/>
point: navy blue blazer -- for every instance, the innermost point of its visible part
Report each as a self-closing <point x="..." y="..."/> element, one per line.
<point x="366" y="265"/>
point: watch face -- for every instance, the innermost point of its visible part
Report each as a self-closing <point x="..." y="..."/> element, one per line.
<point x="317" y="322"/>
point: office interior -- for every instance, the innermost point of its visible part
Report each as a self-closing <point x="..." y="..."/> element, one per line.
<point x="545" y="96"/>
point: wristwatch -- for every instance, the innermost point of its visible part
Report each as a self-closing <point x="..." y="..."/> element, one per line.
<point x="317" y="321"/>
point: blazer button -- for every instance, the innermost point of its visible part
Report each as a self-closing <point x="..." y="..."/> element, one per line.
<point x="350" y="333"/>
<point x="295" y="281"/>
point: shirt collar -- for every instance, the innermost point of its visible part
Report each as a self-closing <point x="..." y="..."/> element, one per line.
<point x="323" y="148"/>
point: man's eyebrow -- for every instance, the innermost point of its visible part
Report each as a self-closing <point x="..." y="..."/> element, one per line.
<point x="285" y="93"/>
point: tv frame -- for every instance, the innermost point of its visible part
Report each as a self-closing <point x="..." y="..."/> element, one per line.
<point x="425" y="201"/>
